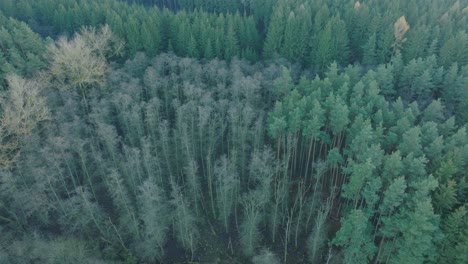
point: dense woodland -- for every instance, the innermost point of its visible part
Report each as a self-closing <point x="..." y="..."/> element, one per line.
<point x="266" y="131"/>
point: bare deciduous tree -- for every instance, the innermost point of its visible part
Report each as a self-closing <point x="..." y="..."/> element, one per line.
<point x="23" y="108"/>
<point x="81" y="62"/>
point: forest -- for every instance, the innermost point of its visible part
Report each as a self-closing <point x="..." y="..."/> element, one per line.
<point x="233" y="131"/>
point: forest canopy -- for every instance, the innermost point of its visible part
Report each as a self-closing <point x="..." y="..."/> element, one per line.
<point x="272" y="131"/>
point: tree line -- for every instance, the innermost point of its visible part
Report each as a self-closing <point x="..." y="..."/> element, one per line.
<point x="311" y="33"/>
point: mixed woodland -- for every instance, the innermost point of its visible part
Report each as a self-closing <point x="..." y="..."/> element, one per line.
<point x="233" y="131"/>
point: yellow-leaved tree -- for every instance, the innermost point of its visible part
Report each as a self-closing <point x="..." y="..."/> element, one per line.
<point x="399" y="30"/>
<point x="81" y="62"/>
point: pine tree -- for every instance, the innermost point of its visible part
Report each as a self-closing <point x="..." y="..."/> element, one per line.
<point x="385" y="39"/>
<point x="192" y="49"/>
<point x="274" y="37"/>
<point x="369" y="57"/>
<point x="231" y="44"/>
<point x="445" y="197"/>
<point x="455" y="50"/>
<point x="417" y="44"/>
<point x="411" y="142"/>
<point x="151" y="37"/>
<point x="209" y="53"/>
<point x="393" y="196"/>
<point x="434" y="112"/>
<point x="452" y="247"/>
<point x="290" y="45"/>
<point x="338" y="115"/>
<point x="371" y="195"/>
<point x="354" y="235"/>
<point x="132" y="36"/>
<point x="322" y="55"/>
<point x="340" y="41"/>
<point x="360" y="173"/>
<point x="283" y="85"/>
<point x="419" y="227"/>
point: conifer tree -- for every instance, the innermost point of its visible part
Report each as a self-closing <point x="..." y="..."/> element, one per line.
<point x="275" y="34"/>
<point x="340" y="41"/>
<point x="452" y="247"/>
<point x="291" y="46"/>
<point x="132" y="36"/>
<point x="231" y="45"/>
<point x="354" y="235"/>
<point x="151" y="37"/>
<point x="420" y="227"/>
<point x="369" y="57"/>
<point x="322" y="55"/>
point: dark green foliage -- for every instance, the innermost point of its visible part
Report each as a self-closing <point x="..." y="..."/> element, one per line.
<point x="370" y="56"/>
<point x="355" y="237"/>
<point x="274" y="37"/>
<point x="452" y="247"/>
<point x="311" y="33"/>
<point x="20" y="49"/>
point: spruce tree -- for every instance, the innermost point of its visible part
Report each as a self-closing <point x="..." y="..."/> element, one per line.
<point x="275" y="34"/>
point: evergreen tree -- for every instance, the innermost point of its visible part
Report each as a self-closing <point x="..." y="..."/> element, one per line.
<point x="419" y="227"/>
<point x="322" y="55"/>
<point x="354" y="235"/>
<point x="231" y="45"/>
<point x="453" y="245"/>
<point x="275" y="34"/>
<point x="132" y="35"/>
<point x="369" y="57"/>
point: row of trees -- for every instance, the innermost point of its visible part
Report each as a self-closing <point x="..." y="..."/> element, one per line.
<point x="316" y="33"/>
<point x="259" y="9"/>
<point x="223" y="6"/>
<point x="311" y="33"/>
<point x="197" y="35"/>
